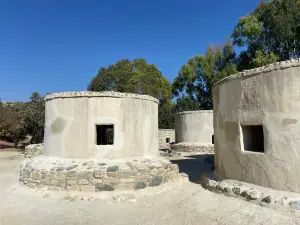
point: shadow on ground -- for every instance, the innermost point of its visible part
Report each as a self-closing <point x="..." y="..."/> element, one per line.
<point x="195" y="165"/>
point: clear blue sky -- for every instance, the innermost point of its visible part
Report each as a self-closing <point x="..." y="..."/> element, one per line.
<point x="59" y="45"/>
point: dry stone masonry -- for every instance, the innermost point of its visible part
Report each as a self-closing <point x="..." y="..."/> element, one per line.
<point x="194" y="131"/>
<point x="166" y="137"/>
<point x="257" y="126"/>
<point x="257" y="195"/>
<point x="98" y="141"/>
<point x="33" y="150"/>
<point x="193" y="147"/>
<point x="96" y="175"/>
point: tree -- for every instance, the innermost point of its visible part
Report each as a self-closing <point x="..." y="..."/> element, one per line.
<point x="193" y="85"/>
<point x="166" y="117"/>
<point x="34" y="118"/>
<point x="185" y="104"/>
<point x="18" y="119"/>
<point x="138" y="77"/>
<point x="270" y="33"/>
<point x="11" y="125"/>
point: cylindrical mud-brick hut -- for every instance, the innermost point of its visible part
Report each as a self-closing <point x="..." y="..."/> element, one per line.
<point x="257" y="126"/>
<point x="101" y="125"/>
<point x="194" y="131"/>
<point x="99" y="141"/>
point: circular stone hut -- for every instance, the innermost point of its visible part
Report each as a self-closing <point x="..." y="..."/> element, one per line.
<point x="257" y="126"/>
<point x="99" y="141"/>
<point x="194" y="131"/>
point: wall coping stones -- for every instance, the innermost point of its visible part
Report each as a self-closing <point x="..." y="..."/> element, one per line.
<point x="196" y="111"/>
<point x="264" y="69"/>
<point x="94" y="175"/>
<point x="262" y="196"/>
<point x="166" y="129"/>
<point x="91" y="94"/>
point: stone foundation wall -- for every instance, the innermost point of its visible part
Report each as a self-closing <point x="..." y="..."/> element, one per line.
<point x="94" y="175"/>
<point x="163" y="134"/>
<point x="255" y="194"/>
<point x="33" y="150"/>
<point x="193" y="147"/>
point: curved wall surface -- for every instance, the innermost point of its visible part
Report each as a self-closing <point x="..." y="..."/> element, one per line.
<point x="257" y="126"/>
<point x="73" y="119"/>
<point x="194" y="126"/>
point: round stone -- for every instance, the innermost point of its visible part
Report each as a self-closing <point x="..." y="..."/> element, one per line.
<point x="267" y="199"/>
<point x="140" y="185"/>
<point x="156" y="181"/>
<point x="254" y="195"/>
<point x="295" y="204"/>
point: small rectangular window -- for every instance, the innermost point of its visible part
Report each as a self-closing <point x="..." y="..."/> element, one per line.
<point x="105" y="134"/>
<point x="167" y="140"/>
<point x="253" y="138"/>
<point x="213" y="139"/>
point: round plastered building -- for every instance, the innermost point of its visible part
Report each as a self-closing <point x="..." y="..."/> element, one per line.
<point x="194" y="131"/>
<point x="99" y="141"/>
<point x="257" y="126"/>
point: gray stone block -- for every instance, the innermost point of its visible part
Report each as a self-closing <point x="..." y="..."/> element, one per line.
<point x="140" y="185"/>
<point x="105" y="187"/>
<point x="71" y="167"/>
<point x="112" y="169"/>
<point x="295" y="205"/>
<point x="157" y="180"/>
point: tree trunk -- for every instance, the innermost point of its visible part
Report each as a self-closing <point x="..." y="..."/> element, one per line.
<point x="16" y="142"/>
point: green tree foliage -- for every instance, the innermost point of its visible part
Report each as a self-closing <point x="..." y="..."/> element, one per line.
<point x="34" y="118"/>
<point x="262" y="59"/>
<point x="138" y="77"/>
<point x="270" y="33"/>
<point x="12" y="127"/>
<point x="18" y="119"/>
<point x="185" y="104"/>
<point x="193" y="85"/>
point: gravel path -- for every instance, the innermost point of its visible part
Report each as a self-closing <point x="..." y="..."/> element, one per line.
<point x="186" y="204"/>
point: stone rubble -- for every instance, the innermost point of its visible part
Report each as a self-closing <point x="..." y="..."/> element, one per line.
<point x="33" y="150"/>
<point x="129" y="198"/>
<point x="192" y="147"/>
<point x="170" y="153"/>
<point x="247" y="193"/>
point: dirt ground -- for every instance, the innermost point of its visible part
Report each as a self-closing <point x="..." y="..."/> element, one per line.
<point x="185" y="204"/>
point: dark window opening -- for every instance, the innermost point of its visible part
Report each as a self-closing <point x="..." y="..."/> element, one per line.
<point x="167" y="140"/>
<point x="213" y="139"/>
<point x="105" y="134"/>
<point x="253" y="138"/>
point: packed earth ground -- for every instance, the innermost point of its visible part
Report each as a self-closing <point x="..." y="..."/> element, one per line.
<point x="187" y="203"/>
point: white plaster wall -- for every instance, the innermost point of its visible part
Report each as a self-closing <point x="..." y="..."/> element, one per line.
<point x="70" y="127"/>
<point x="194" y="126"/>
<point x="270" y="99"/>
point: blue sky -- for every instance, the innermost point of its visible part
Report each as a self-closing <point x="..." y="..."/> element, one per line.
<point x="59" y="45"/>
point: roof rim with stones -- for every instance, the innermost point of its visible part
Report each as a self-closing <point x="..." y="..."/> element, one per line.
<point x="92" y="94"/>
<point x="260" y="70"/>
<point x="195" y="111"/>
